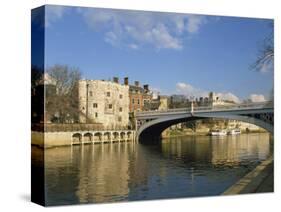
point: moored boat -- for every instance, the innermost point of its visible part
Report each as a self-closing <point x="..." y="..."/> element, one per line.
<point x="234" y="132"/>
<point x="218" y="132"/>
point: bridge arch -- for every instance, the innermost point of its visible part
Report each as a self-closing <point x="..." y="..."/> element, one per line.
<point x="77" y="138"/>
<point x="107" y="136"/>
<point x="88" y="137"/>
<point x="129" y="135"/>
<point x="98" y="137"/>
<point x="153" y="129"/>
<point x="122" y="136"/>
<point x="115" y="136"/>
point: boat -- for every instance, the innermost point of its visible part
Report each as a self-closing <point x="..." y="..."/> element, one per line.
<point x="234" y="132"/>
<point x="218" y="132"/>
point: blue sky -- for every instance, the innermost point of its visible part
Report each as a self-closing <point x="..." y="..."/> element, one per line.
<point x="173" y="53"/>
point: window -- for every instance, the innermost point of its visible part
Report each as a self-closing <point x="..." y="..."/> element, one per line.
<point x="110" y="106"/>
<point x="119" y="118"/>
<point x="91" y="93"/>
<point x="120" y="109"/>
<point x="146" y="101"/>
<point x="108" y="94"/>
<point x="133" y="101"/>
<point x="138" y="101"/>
<point x="95" y="105"/>
<point x="96" y="115"/>
<point x="120" y="96"/>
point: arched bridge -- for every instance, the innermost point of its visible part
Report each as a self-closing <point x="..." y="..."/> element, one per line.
<point x="150" y="124"/>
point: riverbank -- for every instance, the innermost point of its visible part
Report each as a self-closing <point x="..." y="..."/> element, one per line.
<point x="178" y="133"/>
<point x="260" y="180"/>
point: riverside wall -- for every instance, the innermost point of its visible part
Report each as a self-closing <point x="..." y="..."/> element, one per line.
<point x="56" y="139"/>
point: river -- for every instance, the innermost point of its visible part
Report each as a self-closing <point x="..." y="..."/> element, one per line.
<point x="178" y="167"/>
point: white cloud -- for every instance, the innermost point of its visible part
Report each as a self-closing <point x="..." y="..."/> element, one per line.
<point x="190" y="91"/>
<point x="161" y="30"/>
<point x="228" y="96"/>
<point x="257" y="98"/>
<point x="111" y="37"/>
<point x="133" y="46"/>
<point x="266" y="67"/>
<point x="194" y="23"/>
<point x="155" y="90"/>
<point x="53" y="13"/>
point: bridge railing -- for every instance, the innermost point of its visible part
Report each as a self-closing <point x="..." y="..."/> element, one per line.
<point x="241" y="106"/>
<point x="186" y="109"/>
<point x="251" y="105"/>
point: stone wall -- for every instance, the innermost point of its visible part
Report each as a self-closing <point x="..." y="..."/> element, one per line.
<point x="55" y="139"/>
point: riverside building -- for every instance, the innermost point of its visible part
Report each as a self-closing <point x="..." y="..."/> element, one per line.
<point x="105" y="102"/>
<point x="139" y="96"/>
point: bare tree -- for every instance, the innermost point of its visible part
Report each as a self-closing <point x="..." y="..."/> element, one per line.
<point x="265" y="58"/>
<point x="36" y="76"/>
<point x="62" y="103"/>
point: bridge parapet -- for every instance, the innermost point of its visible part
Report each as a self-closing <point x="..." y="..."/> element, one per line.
<point x="242" y="106"/>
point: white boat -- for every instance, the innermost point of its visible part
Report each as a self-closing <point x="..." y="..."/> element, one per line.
<point x="234" y="132"/>
<point x="218" y="132"/>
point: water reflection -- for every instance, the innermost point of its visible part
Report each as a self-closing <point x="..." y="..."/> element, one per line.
<point x="178" y="167"/>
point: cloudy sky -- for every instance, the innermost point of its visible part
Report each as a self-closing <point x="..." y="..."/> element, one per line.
<point x="173" y="53"/>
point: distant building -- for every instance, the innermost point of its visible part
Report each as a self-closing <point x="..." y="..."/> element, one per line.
<point x="211" y="101"/>
<point x="105" y="102"/>
<point x="176" y="98"/>
<point x="163" y="103"/>
<point x="178" y="101"/>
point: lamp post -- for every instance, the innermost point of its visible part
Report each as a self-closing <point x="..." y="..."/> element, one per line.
<point x="192" y="104"/>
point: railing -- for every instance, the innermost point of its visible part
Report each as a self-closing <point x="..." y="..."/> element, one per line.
<point x="250" y="105"/>
<point x="50" y="127"/>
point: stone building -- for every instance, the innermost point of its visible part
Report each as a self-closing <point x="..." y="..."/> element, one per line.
<point x="139" y="96"/>
<point x="105" y="102"/>
<point x="164" y="103"/>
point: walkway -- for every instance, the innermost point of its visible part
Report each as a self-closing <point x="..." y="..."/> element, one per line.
<point x="260" y="180"/>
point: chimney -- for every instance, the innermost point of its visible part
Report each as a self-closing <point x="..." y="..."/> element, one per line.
<point x="126" y="81"/>
<point x="146" y="87"/>
<point x="137" y="83"/>
<point x="116" y="79"/>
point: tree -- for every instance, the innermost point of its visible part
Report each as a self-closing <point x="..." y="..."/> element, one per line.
<point x="265" y="58"/>
<point x="37" y="94"/>
<point x="36" y="76"/>
<point x="62" y="103"/>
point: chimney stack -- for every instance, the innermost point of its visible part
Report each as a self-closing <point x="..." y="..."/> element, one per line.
<point x="116" y="79"/>
<point x="126" y="81"/>
<point x="146" y="87"/>
<point x="137" y="83"/>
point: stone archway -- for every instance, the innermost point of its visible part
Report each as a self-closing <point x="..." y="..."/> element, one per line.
<point x="76" y="138"/>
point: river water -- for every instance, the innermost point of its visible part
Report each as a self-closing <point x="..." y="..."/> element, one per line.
<point x="177" y="167"/>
